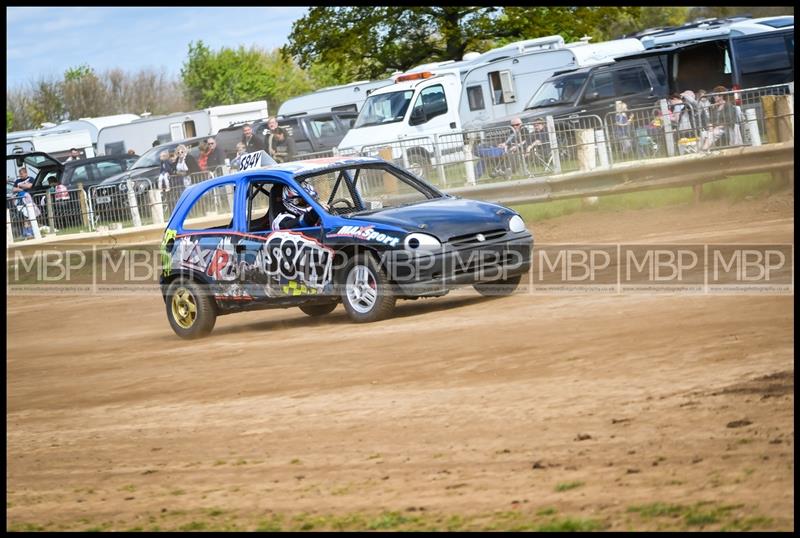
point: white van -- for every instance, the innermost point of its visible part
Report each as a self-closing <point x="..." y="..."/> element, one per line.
<point x="449" y="97"/>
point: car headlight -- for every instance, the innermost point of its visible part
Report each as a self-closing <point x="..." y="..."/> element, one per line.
<point x="421" y="243"/>
<point x="516" y="224"/>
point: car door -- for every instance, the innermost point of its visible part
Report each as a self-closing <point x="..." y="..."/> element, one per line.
<point x="283" y="267"/>
<point x="599" y="94"/>
<point x="635" y="86"/>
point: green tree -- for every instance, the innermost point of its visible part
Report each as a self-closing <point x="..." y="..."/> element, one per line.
<point x="232" y="76"/>
<point x="9" y="120"/>
<point x="371" y="42"/>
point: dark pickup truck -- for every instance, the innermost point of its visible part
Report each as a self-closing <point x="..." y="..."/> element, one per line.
<point x="311" y="133"/>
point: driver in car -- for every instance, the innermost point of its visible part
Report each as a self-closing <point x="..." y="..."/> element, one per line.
<point x="298" y="213"/>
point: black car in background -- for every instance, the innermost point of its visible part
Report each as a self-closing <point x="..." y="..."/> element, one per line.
<point x="109" y="198"/>
<point x="312" y="133"/>
<point x="43" y="167"/>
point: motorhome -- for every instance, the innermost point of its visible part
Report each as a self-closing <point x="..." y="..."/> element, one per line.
<point x="344" y="98"/>
<point x="140" y="135"/>
<point x="746" y="54"/>
<point x="717" y="29"/>
<point x="450" y="97"/>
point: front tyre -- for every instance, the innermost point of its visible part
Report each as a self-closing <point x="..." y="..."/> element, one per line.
<point x="315" y="310"/>
<point x="366" y="291"/>
<point x="498" y="288"/>
<point x="190" y="309"/>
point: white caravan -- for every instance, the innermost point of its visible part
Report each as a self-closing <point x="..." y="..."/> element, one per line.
<point x="140" y="135"/>
<point x="345" y="98"/>
<point x="52" y="141"/>
<point x="93" y="125"/>
<point x="56" y="142"/>
<point x="442" y="99"/>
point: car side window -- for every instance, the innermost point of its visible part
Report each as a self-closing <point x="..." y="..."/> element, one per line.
<point x="431" y="102"/>
<point x="80" y="174"/>
<point x="213" y="209"/>
<point x="258" y="215"/>
<point x="630" y="81"/>
<point x="105" y="170"/>
<point x="601" y="86"/>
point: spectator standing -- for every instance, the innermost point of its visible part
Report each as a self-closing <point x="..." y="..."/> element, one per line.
<point x="202" y="156"/>
<point x="723" y="124"/>
<point x="251" y="141"/>
<point x="185" y="164"/>
<point x="241" y="149"/>
<point x="622" y="127"/>
<point x="278" y="144"/>
<point x="167" y="168"/>
<point x="215" y="156"/>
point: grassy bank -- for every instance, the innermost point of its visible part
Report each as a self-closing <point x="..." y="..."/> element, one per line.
<point x="734" y="189"/>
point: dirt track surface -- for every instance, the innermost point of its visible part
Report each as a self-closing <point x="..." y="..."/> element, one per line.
<point x="639" y="411"/>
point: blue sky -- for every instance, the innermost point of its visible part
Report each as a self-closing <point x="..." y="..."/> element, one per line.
<point x="44" y="41"/>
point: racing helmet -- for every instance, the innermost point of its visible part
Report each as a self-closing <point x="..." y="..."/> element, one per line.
<point x="295" y="203"/>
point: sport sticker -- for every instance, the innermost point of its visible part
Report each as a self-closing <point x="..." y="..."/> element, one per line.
<point x="367" y="233"/>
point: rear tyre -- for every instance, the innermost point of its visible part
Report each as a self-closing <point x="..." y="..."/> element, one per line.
<point x="367" y="294"/>
<point x="315" y="310"/>
<point x="498" y="288"/>
<point x="190" y="309"/>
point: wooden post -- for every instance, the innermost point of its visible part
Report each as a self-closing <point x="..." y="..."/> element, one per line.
<point x="9" y="229"/>
<point x="587" y="154"/>
<point x="84" y="206"/>
<point x="389" y="181"/>
<point x="156" y="206"/>
<point x="51" y="221"/>
<point x="137" y="220"/>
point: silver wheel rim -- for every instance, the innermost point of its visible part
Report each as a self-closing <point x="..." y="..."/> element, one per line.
<point x="361" y="289"/>
<point x="417" y="169"/>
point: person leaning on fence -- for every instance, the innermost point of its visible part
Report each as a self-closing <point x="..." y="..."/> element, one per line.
<point x="278" y="144"/>
<point x="202" y="156"/>
<point x="539" y="147"/>
<point x="723" y="127"/>
<point x="60" y="196"/>
<point x="241" y="150"/>
<point x="622" y="127"/>
<point x="251" y="141"/>
<point x="215" y="157"/>
<point x="513" y="144"/>
<point x="185" y="164"/>
<point x="167" y="168"/>
<point x="29" y="211"/>
<point x="23" y="182"/>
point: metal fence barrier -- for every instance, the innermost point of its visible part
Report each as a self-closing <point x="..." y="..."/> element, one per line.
<point x="548" y="147"/>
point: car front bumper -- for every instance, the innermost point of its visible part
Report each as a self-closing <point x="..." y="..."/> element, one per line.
<point x="450" y="267"/>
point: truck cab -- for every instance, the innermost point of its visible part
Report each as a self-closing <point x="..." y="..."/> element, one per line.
<point x="408" y="115"/>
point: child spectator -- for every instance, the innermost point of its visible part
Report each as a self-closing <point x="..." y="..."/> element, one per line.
<point x="167" y="168"/>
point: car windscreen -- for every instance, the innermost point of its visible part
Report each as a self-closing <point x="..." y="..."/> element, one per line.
<point x="363" y="189"/>
<point x="558" y="91"/>
<point x="384" y="108"/>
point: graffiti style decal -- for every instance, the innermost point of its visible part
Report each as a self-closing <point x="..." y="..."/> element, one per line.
<point x="218" y="263"/>
<point x="292" y="263"/>
<point x="166" y="257"/>
<point x="290" y="256"/>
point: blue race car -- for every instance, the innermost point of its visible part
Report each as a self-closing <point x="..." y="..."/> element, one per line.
<point x="314" y="233"/>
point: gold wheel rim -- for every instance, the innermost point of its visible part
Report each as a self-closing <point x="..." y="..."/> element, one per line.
<point x="184" y="308"/>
